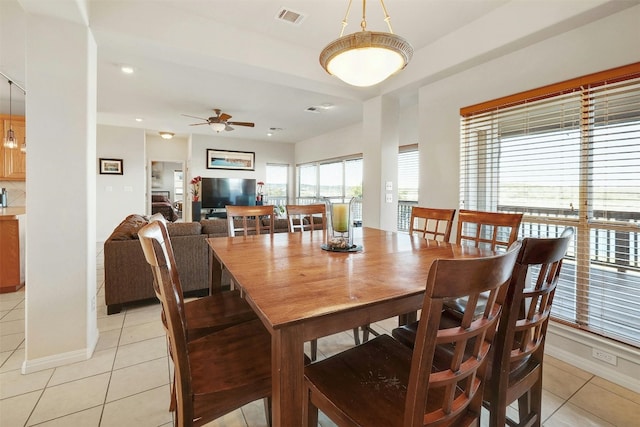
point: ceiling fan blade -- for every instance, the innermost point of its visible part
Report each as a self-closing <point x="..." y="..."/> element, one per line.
<point x="194" y="117"/>
<point x="242" y="124"/>
<point x="224" y="117"/>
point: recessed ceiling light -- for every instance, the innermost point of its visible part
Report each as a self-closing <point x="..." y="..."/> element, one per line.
<point x="127" y="69"/>
<point x="138" y="119"/>
<point x="166" y="135"/>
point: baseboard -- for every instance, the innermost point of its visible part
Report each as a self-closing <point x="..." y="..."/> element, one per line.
<point x="57" y="360"/>
<point x="576" y="347"/>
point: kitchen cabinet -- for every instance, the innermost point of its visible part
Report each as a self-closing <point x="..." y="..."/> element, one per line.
<point x="13" y="162"/>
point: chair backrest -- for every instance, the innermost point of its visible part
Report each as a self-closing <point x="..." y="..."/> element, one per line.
<point x="454" y="385"/>
<point x="521" y="333"/>
<point x="433" y="224"/>
<point x="305" y="217"/>
<point x="158" y="252"/>
<point x="493" y="230"/>
<point x="248" y="219"/>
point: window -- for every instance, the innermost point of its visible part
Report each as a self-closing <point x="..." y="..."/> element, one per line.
<point x="276" y="184"/>
<point x="337" y="179"/>
<point x="408" y="180"/>
<point x="569" y="155"/>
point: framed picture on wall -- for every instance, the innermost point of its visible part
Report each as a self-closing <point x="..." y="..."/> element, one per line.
<point x="223" y="159"/>
<point x="111" y="167"/>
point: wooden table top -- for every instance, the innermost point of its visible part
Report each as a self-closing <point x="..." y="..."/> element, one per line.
<point x="288" y="278"/>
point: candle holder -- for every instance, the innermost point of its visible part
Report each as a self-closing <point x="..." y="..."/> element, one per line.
<point x="340" y="227"/>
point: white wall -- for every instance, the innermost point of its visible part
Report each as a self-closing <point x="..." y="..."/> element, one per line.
<point x="119" y="195"/>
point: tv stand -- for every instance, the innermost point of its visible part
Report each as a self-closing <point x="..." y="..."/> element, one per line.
<point x="217" y="213"/>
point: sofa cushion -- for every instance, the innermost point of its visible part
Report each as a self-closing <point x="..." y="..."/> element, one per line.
<point x="184" y="228"/>
<point x="214" y="226"/>
<point x="128" y="228"/>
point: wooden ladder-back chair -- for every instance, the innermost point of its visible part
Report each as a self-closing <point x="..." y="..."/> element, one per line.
<point x="516" y="366"/>
<point x="491" y="230"/>
<point x="215" y="373"/>
<point x="382" y="382"/>
<point x="209" y="313"/>
<point x="306" y="217"/>
<point x="250" y="218"/>
<point x="433" y="224"/>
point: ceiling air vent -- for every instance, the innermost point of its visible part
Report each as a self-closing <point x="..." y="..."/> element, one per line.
<point x="290" y="16"/>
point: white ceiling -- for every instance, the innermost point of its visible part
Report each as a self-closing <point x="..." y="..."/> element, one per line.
<point x="191" y="56"/>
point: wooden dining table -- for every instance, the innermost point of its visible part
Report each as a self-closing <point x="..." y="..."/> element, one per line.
<point x="302" y="292"/>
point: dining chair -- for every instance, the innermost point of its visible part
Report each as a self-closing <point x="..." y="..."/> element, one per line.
<point x="202" y="316"/>
<point x="249" y="220"/>
<point x="490" y="230"/>
<point x="493" y="230"/>
<point x="383" y="382"/>
<point x="432" y="223"/>
<point x="515" y="366"/>
<point x="307" y="217"/>
<point x="209" y="313"/>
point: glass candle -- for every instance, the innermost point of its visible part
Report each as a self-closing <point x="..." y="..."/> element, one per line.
<point x="340" y="217"/>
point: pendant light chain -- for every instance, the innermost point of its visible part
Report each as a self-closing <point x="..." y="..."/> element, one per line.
<point x="387" y="18"/>
<point x="344" y="20"/>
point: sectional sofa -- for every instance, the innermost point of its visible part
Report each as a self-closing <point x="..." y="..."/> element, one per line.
<point x="128" y="278"/>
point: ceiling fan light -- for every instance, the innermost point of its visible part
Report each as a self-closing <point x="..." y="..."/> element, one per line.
<point x="218" y="127"/>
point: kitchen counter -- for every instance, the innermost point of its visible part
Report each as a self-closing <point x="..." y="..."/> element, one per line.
<point x="12" y="211"/>
<point x="12" y="244"/>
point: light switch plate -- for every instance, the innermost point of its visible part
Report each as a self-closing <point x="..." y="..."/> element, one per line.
<point x="389" y="198"/>
<point x="389" y="186"/>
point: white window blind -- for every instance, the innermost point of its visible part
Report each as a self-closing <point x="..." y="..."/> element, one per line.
<point x="408" y="173"/>
<point x="569" y="155"/>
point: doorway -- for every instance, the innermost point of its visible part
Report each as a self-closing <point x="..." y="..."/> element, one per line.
<point x="166" y="185"/>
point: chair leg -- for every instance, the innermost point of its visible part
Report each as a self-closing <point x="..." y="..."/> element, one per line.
<point x="310" y="411"/>
<point x="356" y="335"/>
<point x="172" y="403"/>
<point x="535" y="402"/>
<point x="314" y="350"/>
<point x="365" y="333"/>
<point x="267" y="410"/>
<point x="524" y="407"/>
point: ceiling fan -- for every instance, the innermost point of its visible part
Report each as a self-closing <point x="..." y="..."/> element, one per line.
<point x="220" y="122"/>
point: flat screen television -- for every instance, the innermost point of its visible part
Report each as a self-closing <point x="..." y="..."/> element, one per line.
<point x="220" y="192"/>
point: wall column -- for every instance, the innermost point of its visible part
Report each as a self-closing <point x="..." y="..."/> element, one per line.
<point x="380" y="154"/>
<point x="61" y="325"/>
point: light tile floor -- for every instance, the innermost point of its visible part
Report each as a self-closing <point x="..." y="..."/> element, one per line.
<point x="126" y="382"/>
